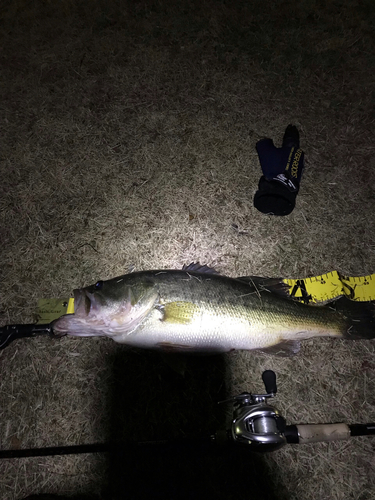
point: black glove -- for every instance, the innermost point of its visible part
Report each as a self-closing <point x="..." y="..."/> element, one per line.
<point x="282" y="170"/>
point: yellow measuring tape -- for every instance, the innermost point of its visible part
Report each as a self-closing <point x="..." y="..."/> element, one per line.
<point x="330" y="286"/>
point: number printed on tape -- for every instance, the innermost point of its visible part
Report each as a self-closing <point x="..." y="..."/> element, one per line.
<point x="331" y="286"/>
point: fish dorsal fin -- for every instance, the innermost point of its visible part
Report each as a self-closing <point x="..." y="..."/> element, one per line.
<point x="272" y="285"/>
<point x="196" y="267"/>
<point x="284" y="349"/>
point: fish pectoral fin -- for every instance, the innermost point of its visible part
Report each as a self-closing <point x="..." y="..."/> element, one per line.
<point x="178" y="312"/>
<point x="284" y="349"/>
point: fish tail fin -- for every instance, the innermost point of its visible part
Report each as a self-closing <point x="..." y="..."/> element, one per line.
<point x="359" y="318"/>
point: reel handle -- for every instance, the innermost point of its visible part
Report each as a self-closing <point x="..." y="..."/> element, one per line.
<point x="269" y="379"/>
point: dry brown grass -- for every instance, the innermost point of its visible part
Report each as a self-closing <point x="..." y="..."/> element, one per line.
<point x="127" y="141"/>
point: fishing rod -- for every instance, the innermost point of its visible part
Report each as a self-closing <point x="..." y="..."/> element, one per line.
<point x="256" y="425"/>
<point x="9" y="333"/>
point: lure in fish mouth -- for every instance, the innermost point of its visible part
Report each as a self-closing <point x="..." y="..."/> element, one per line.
<point x="198" y="310"/>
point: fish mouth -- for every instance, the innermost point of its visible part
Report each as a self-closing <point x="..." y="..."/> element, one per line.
<point x="82" y="302"/>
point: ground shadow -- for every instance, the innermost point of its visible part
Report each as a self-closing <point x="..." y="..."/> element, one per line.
<point x="152" y="401"/>
<point x="162" y="412"/>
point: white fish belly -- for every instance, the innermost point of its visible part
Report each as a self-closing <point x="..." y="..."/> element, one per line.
<point x="207" y="332"/>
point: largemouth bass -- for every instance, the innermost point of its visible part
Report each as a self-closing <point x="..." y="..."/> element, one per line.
<point x="197" y="310"/>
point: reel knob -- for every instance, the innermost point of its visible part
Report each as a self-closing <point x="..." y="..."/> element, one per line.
<point x="269" y="379"/>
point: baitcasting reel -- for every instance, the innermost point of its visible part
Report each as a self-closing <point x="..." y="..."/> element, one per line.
<point x="260" y="426"/>
<point x="255" y="422"/>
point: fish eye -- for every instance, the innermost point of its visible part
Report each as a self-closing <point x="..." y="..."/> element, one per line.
<point x="98" y="285"/>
